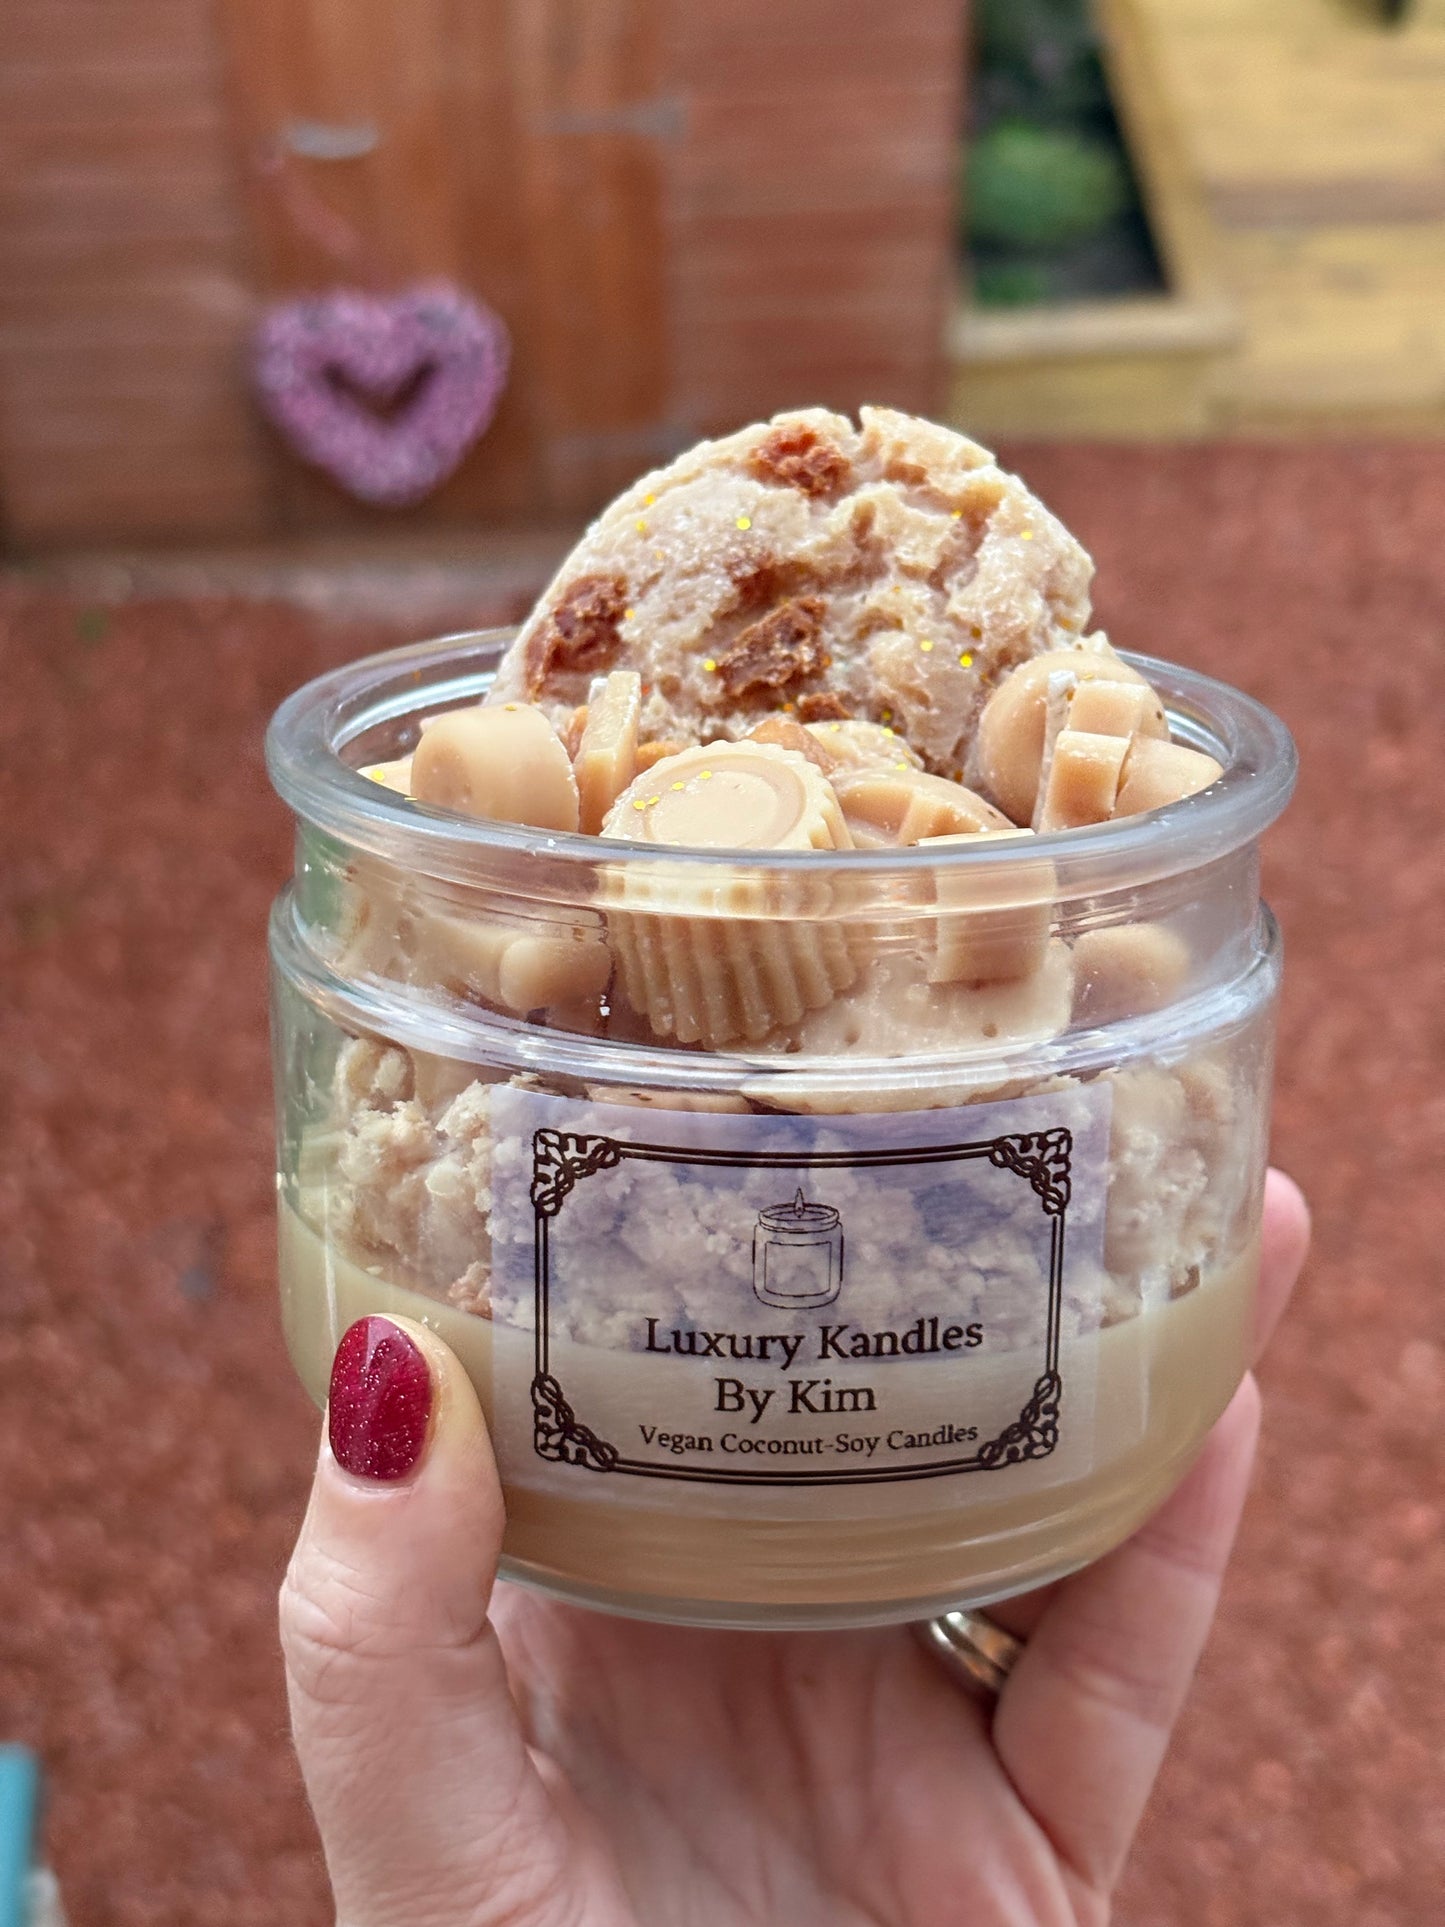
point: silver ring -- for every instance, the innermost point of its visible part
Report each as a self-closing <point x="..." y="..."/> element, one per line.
<point x="979" y="1654"/>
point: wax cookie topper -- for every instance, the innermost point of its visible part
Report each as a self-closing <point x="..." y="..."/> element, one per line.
<point x="812" y="566"/>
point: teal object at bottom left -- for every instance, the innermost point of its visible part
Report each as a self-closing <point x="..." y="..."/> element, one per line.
<point x="19" y="1816"/>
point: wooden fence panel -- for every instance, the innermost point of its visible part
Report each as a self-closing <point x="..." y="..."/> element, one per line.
<point x="688" y="212"/>
<point x="813" y="254"/>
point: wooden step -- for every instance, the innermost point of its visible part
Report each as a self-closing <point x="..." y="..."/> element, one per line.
<point x="1292" y="159"/>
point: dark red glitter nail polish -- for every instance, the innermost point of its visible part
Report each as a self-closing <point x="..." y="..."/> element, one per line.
<point x="380" y="1400"/>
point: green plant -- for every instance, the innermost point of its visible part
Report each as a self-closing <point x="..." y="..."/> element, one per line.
<point x="1010" y="284"/>
<point x="1029" y="186"/>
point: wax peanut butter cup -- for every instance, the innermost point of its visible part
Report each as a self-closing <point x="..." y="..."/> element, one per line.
<point x="897" y="807"/>
<point x="715" y="959"/>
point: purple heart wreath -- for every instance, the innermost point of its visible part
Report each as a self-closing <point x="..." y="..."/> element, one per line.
<point x="386" y="393"/>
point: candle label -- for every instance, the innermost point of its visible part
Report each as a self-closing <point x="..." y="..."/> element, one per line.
<point x="783" y="1302"/>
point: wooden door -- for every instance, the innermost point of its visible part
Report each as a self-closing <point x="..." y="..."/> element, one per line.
<point x="815" y="203"/>
<point x="688" y="212"/>
<point x="507" y="146"/>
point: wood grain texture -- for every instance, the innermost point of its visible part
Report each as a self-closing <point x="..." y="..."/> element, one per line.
<point x="1292" y="162"/>
<point x="123" y="295"/>
<point x="687" y="212"/>
<point x="503" y="161"/>
<point x="813" y="204"/>
<point x="1314" y="134"/>
<point x="594" y="124"/>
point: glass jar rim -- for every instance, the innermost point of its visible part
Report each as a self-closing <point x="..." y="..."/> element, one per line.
<point x="314" y="725"/>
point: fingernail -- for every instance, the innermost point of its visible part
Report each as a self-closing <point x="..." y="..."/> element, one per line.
<point x="380" y="1401"/>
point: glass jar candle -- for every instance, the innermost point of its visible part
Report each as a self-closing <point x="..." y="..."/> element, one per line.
<point x="924" y="1291"/>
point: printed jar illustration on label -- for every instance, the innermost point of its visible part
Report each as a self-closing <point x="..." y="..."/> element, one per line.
<point x="788" y="1301"/>
<point x="798" y="1254"/>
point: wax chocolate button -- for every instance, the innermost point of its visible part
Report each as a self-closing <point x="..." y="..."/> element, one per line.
<point x="606" y="759"/>
<point x="717" y="1103"/>
<point x="1083" y="780"/>
<point x="506" y="763"/>
<point x="1127" y="970"/>
<point x="1160" y="773"/>
<point x="1011" y="731"/>
<point x="894" y="1012"/>
<point x="395" y="775"/>
<point x="783" y="733"/>
<point x="649" y="755"/>
<point x="993" y="923"/>
<point x="374" y="920"/>
<point x="521" y="969"/>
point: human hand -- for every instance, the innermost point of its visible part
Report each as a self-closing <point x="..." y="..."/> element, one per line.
<point x="477" y="1754"/>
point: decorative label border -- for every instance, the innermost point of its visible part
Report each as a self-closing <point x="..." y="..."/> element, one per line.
<point x="562" y="1159"/>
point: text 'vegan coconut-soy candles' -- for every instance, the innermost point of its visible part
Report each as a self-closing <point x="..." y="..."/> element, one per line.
<point x="925" y="1298"/>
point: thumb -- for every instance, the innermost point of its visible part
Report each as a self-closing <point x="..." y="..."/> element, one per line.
<point x="429" y="1806"/>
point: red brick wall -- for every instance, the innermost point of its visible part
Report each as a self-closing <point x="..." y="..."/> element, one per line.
<point x="123" y="281"/>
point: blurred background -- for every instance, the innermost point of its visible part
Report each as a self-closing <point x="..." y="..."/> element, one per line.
<point x="1181" y="261"/>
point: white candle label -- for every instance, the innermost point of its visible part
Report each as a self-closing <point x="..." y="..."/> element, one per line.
<point x="770" y="1303"/>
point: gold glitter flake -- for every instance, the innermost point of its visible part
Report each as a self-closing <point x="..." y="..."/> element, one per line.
<point x="745" y="521"/>
<point x="1027" y="536"/>
<point x="965" y="661"/>
<point x="926" y="646"/>
<point x="641" y="526"/>
<point x="709" y="663"/>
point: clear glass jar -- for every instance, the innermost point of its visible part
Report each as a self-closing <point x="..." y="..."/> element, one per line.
<point x="922" y="1298"/>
